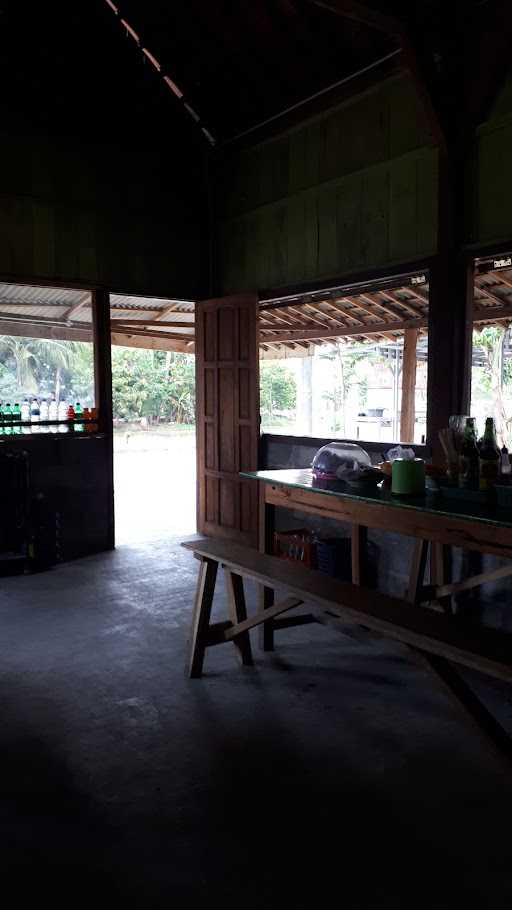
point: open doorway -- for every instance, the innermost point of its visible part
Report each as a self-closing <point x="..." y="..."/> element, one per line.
<point x="153" y="386"/>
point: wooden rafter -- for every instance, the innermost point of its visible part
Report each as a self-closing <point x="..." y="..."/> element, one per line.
<point x="406" y="304"/>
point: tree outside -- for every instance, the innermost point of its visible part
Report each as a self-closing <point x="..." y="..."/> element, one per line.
<point x="156" y="385"/>
<point x="278" y="392"/>
<point x="30" y="367"/>
<point x="491" y="380"/>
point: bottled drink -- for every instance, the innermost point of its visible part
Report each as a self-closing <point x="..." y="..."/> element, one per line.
<point x="468" y="458"/>
<point x="35" y="413"/>
<point x="43" y="410"/>
<point x="489" y="457"/>
<point x="62" y="414"/>
<point x="16" y="418"/>
<point x="79" y="427"/>
<point x="70" y="412"/>
<point x="505" y="461"/>
<point x="25" y="411"/>
<point x="7" y="418"/>
<point x="52" y="409"/>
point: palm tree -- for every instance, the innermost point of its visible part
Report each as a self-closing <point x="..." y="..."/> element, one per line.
<point x="29" y="354"/>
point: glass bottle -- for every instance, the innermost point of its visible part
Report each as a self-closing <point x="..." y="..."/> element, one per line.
<point x="79" y="427"/>
<point x="16" y="418"/>
<point x="468" y="458"/>
<point x="7" y="418"/>
<point x="489" y="457"/>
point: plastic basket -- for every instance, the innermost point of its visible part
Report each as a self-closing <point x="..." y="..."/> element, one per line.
<point x="295" y="546"/>
<point x="333" y="557"/>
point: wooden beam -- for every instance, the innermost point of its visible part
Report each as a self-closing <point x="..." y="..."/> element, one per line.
<point x="148" y="333"/>
<point x="488" y="313"/>
<point x="408" y="411"/>
<point x="358" y="12"/>
<point x="70" y="312"/>
<point x="374" y="328"/>
<point x="103" y="396"/>
<point x="152" y="344"/>
<point x="145" y="323"/>
<point x="406" y="304"/>
<point x="50" y="332"/>
<point x="390" y="25"/>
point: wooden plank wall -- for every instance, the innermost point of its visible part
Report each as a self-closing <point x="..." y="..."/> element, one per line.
<point x="130" y="216"/>
<point x="492" y="189"/>
<point x="351" y="189"/>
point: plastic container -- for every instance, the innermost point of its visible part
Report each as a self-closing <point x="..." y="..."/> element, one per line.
<point x="336" y="459"/>
<point x="295" y="546"/>
<point x="333" y="557"/>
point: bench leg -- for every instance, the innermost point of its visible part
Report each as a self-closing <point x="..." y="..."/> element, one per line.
<point x="238" y="613"/>
<point x="493" y="736"/>
<point x="266" y="631"/>
<point x="201" y="619"/>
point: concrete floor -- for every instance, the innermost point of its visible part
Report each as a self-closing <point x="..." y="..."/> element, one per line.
<point x="331" y="774"/>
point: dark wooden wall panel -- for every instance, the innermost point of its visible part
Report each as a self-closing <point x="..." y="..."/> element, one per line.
<point x="350" y="190"/>
<point x="78" y="211"/>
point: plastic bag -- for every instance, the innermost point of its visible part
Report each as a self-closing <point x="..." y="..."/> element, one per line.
<point x="400" y="452"/>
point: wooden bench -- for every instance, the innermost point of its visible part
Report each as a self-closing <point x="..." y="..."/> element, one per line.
<point x="331" y="602"/>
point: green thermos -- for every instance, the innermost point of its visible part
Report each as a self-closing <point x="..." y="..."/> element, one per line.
<point x="408" y="477"/>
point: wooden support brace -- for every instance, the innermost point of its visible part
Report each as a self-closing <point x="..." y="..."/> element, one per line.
<point x="490" y="731"/>
<point x="238" y="614"/>
<point x="201" y="619"/>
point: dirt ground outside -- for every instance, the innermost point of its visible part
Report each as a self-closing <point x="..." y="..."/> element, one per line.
<point x="154" y="483"/>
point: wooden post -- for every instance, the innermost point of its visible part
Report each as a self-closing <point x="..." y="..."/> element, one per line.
<point x="451" y="291"/>
<point x="408" y="409"/>
<point x="103" y="393"/>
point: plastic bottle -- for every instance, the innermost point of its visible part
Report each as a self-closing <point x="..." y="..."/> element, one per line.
<point x="71" y="417"/>
<point x="35" y="413"/>
<point x="25" y="411"/>
<point x="79" y="427"/>
<point x="16" y="418"/>
<point x="505" y="461"/>
<point x="43" y="409"/>
<point x="62" y="415"/>
<point x="7" y="416"/>
<point x="52" y="409"/>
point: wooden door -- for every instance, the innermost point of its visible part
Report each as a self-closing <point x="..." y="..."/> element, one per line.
<point x="227" y="416"/>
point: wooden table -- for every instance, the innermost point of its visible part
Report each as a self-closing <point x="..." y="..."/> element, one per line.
<point x="434" y="522"/>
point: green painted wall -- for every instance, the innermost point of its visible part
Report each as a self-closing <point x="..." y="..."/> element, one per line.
<point x="129" y="216"/>
<point x="352" y="189"/>
<point x="492" y="202"/>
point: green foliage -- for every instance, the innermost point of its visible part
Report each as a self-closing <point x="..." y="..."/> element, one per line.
<point x="153" y="384"/>
<point x="278" y="388"/>
<point x="29" y="366"/>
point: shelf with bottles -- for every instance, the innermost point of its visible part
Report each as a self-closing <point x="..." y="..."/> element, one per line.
<point x="34" y="417"/>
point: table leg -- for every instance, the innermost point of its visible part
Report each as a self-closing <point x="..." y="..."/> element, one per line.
<point x="438" y="572"/>
<point x="359" y="540"/>
<point x="267" y="521"/>
<point x="417" y="571"/>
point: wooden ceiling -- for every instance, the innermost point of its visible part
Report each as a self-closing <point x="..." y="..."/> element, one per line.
<point x="374" y="314"/>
